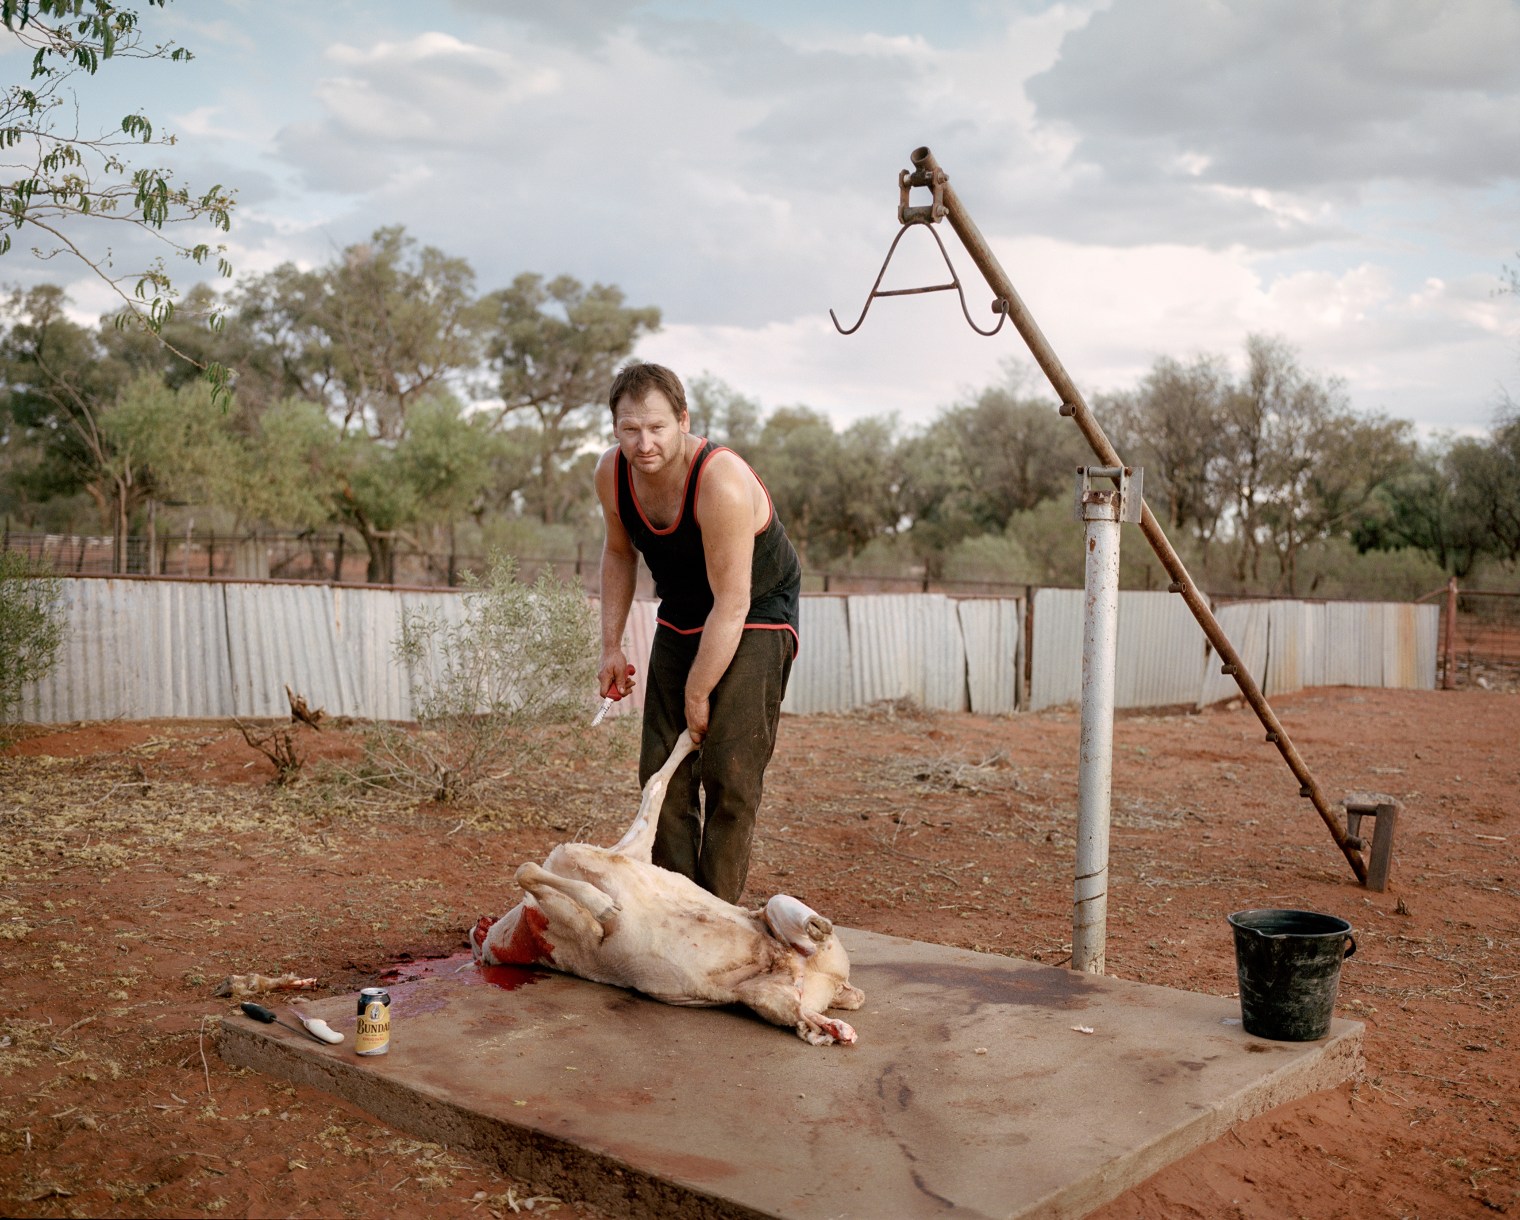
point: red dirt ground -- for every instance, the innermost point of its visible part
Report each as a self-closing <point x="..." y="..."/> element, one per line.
<point x="142" y="863"/>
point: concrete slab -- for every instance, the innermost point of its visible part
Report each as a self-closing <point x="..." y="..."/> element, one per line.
<point x="981" y="1085"/>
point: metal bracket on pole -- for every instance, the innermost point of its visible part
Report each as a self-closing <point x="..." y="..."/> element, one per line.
<point x="932" y="214"/>
<point x="1119" y="503"/>
<point x="927" y="172"/>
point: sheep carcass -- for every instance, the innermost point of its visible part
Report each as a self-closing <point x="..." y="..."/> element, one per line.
<point x="609" y="915"/>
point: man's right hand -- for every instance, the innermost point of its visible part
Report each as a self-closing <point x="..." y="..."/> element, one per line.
<point x="615" y="679"/>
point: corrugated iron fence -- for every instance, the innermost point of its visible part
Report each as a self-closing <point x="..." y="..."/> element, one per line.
<point x="162" y="648"/>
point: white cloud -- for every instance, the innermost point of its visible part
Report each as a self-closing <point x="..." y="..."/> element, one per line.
<point x="1298" y="93"/>
<point x="432" y="89"/>
<point x="202" y="123"/>
<point x="1143" y="171"/>
<point x="1436" y="356"/>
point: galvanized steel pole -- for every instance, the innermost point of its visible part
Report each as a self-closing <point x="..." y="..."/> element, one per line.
<point x="1100" y="512"/>
<point x="928" y="173"/>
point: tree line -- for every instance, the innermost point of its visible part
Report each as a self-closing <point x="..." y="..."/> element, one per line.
<point x="384" y="394"/>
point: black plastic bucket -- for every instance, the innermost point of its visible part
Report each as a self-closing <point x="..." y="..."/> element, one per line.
<point x="1289" y="964"/>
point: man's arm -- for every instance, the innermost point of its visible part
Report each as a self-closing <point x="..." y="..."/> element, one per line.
<point x="725" y="511"/>
<point x="620" y="572"/>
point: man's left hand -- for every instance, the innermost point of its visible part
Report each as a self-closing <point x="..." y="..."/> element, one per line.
<point x="697" y="713"/>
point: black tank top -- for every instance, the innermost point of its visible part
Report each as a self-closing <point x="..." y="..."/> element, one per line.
<point x="679" y="566"/>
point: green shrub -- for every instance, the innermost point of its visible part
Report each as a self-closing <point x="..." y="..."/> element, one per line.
<point x="1335" y="569"/>
<point x="492" y="689"/>
<point x="31" y="626"/>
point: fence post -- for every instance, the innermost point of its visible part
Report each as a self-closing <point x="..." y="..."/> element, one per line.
<point x="1027" y="676"/>
<point x="1448" y="679"/>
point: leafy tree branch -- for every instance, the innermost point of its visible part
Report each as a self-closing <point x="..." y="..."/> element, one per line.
<point x="57" y="174"/>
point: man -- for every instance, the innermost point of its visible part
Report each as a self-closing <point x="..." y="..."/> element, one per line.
<point x="728" y="581"/>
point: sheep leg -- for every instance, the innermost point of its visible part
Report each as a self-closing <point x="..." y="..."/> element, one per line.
<point x="780" y="1003"/>
<point x="638" y="842"/>
<point x="567" y="898"/>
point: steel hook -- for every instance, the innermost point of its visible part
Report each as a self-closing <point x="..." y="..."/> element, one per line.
<point x="999" y="305"/>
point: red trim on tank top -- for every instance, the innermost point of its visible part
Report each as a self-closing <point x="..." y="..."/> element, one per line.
<point x="691" y="470"/>
<point x="617" y="491"/>
<point x="796" y="639"/>
<point x="770" y="507"/>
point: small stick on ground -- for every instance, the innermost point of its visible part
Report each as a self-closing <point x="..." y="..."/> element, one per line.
<point x="205" y="1067"/>
<point x="278" y="746"/>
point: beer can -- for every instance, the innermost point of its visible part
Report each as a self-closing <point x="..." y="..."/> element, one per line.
<point x="373" y="1037"/>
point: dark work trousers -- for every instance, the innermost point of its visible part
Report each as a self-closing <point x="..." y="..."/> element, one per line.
<point x="728" y="768"/>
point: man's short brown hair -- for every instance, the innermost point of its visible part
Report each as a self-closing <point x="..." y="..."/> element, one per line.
<point x="636" y="379"/>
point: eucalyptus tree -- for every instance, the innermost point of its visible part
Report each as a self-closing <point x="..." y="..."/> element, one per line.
<point x="1324" y="488"/>
<point x="301" y="470"/>
<point x="836" y="491"/>
<point x="1014" y="451"/>
<point x="448" y="459"/>
<point x="1270" y="423"/>
<point x="102" y="424"/>
<point x="552" y="348"/>
<point x="385" y="328"/>
<point x="862" y="499"/>
<point x="978" y="466"/>
<point x="1171" y="425"/>
<point x="1302" y="466"/>
<point x="1418" y="507"/>
<point x="937" y="505"/>
<point x="723" y="415"/>
<point x="292" y="472"/>
<point x="796" y="455"/>
<point x="1487" y="477"/>
<point x="166" y="444"/>
<point x="384" y="325"/>
<point x="58" y="386"/>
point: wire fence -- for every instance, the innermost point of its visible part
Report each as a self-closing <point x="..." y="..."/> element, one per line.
<point x="339" y="557"/>
<point x="1482" y="648"/>
<point x="330" y="556"/>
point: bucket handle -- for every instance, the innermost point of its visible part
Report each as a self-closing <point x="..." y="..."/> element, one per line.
<point x="1350" y="939"/>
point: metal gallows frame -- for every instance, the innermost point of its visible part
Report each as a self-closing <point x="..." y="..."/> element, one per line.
<point x="946" y="205"/>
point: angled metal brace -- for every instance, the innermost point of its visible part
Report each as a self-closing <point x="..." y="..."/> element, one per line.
<point x="999" y="306"/>
<point x="927" y="172"/>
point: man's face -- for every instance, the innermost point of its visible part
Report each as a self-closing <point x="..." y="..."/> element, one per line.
<point x="648" y="432"/>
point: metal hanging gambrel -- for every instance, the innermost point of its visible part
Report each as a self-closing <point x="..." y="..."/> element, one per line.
<point x="946" y="204"/>
<point x="927" y="216"/>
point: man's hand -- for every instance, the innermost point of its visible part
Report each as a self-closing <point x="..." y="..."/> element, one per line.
<point x="697" y="713"/>
<point x="615" y="678"/>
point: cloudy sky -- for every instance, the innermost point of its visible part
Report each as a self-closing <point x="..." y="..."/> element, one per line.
<point x="1158" y="177"/>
